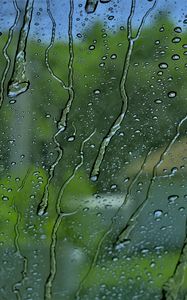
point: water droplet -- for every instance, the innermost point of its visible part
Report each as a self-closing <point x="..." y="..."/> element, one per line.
<point x="172" y="94"/>
<point x="174" y="170"/>
<point x="163" y="65"/>
<point x="110" y="18"/>
<point x="113" y="186"/>
<point x="79" y="35"/>
<point x="158" y="101"/>
<point x="102" y="64"/>
<point x="71" y="138"/>
<point x="12" y="101"/>
<point x="97" y="92"/>
<point x="184" y="46"/>
<point x="172" y="199"/>
<point x="5" y="198"/>
<point x="126" y="179"/>
<point x="93" y="178"/>
<point x="178" y="29"/>
<point x="176" y="39"/>
<point x="158" y="213"/>
<point x="113" y="56"/>
<point x="91" y="47"/>
<point x="161" y="29"/>
<point x="175" y="57"/>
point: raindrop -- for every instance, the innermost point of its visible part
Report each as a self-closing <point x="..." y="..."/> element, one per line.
<point x="175" y="57"/>
<point x="126" y="179"/>
<point x="110" y="18"/>
<point x="174" y="170"/>
<point x="79" y="35"/>
<point x="176" y="39"/>
<point x="172" y="94"/>
<point x="71" y="138"/>
<point x="5" y="198"/>
<point x="163" y="65"/>
<point x="113" y="56"/>
<point x="93" y="178"/>
<point x="97" y="92"/>
<point x="12" y="101"/>
<point x="91" y="47"/>
<point x="158" y="213"/>
<point x="113" y="186"/>
<point x="178" y="29"/>
<point x="184" y="46"/>
<point x="172" y="199"/>
<point x="161" y="29"/>
<point x="158" y="101"/>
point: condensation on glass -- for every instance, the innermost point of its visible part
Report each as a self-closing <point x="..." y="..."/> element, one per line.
<point x="93" y="149"/>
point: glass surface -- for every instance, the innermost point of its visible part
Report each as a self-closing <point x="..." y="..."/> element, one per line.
<point x="93" y="149"/>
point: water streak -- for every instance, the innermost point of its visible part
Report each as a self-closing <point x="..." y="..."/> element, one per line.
<point x="175" y="287"/>
<point x="7" y="58"/>
<point x="60" y="215"/>
<point x="124" y="234"/>
<point x="124" y="97"/>
<point x="62" y="123"/>
<point x="16" y="286"/>
<point x="19" y="83"/>
<point x="113" y="220"/>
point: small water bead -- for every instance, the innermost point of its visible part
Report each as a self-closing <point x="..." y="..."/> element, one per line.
<point x="97" y="92"/>
<point x="110" y="18"/>
<point x="79" y="35"/>
<point x="113" y="56"/>
<point x="176" y="40"/>
<point x="102" y="64"/>
<point x="161" y="29"/>
<point x="92" y="47"/>
<point x="113" y="186"/>
<point x="174" y="170"/>
<point x="160" y="73"/>
<point x="5" y="198"/>
<point x="158" y="101"/>
<point x="94" y="178"/>
<point x="104" y="57"/>
<point x="172" y="199"/>
<point x="71" y="138"/>
<point x="13" y="101"/>
<point x="178" y="29"/>
<point x="157" y="42"/>
<point x="175" y="57"/>
<point x="163" y="65"/>
<point x="185" y="53"/>
<point x="158" y="213"/>
<point x="172" y="94"/>
<point x="184" y="46"/>
<point x="185" y="21"/>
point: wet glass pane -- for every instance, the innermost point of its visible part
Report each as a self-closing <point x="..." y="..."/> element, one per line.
<point x="93" y="149"/>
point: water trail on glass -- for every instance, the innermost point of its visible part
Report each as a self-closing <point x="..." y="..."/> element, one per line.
<point x="124" y="97"/>
<point x="5" y="53"/>
<point x="19" y="83"/>
<point x="60" y="216"/>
